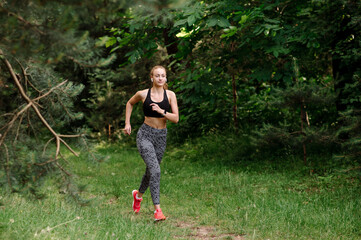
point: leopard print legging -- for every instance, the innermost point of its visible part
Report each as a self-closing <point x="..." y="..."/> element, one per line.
<point x="151" y="143"/>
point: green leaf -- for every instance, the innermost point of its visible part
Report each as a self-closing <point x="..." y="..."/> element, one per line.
<point x="258" y="30"/>
<point x="218" y="21"/>
<point x="111" y="41"/>
<point x="243" y="19"/>
<point x="116" y="48"/>
<point x="223" y="22"/>
<point x="180" y="22"/>
<point x="150" y="45"/>
<point x="229" y="32"/>
<point x="275" y="53"/>
<point x="191" y="20"/>
<point x="212" y="22"/>
<point x="133" y="56"/>
<point x="272" y="20"/>
<point x="102" y="41"/>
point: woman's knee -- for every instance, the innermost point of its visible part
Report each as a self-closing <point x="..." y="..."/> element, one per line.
<point x="155" y="172"/>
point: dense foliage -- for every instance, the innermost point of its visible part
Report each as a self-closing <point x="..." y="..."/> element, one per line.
<point x="284" y="73"/>
<point x="284" y="69"/>
<point x="47" y="54"/>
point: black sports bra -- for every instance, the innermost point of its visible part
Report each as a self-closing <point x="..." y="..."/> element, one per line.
<point x="147" y="109"/>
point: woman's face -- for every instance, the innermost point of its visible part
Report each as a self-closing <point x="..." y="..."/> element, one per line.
<point x="159" y="77"/>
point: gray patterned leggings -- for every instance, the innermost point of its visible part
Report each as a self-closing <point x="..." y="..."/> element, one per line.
<point x="151" y="143"/>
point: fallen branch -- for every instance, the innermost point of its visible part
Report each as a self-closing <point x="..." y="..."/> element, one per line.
<point x="48" y="229"/>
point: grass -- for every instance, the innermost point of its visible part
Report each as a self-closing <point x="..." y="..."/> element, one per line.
<point x="203" y="197"/>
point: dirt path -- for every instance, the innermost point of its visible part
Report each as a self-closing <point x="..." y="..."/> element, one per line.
<point x="204" y="232"/>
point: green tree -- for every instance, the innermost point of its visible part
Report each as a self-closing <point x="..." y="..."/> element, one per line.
<point x="46" y="50"/>
<point x="231" y="58"/>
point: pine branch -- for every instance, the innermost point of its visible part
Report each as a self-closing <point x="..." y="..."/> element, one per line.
<point x="61" y="155"/>
<point x="352" y="169"/>
<point x="86" y="145"/>
<point x="69" y="146"/>
<point x="21" y="19"/>
<point x="298" y="133"/>
<point x="46" y="145"/>
<point x="33" y="105"/>
<point x="18" y="130"/>
<point x="65" y="108"/>
<point x="47" y="162"/>
<point x="11" y="123"/>
<point x="26" y="77"/>
<point x="83" y="64"/>
<point x="61" y="168"/>
<point x="31" y="126"/>
<point x="50" y="91"/>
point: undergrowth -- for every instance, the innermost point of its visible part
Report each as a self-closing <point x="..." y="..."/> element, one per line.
<point x="218" y="186"/>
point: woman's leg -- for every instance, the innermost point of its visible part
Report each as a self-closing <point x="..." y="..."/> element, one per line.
<point x="151" y="177"/>
<point x="159" y="147"/>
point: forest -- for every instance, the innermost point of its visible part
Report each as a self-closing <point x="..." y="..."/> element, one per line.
<point x="272" y="83"/>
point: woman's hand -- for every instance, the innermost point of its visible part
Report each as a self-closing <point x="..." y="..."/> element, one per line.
<point x="127" y="129"/>
<point x="156" y="108"/>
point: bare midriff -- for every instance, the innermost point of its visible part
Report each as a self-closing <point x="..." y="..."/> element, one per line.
<point x="158" y="123"/>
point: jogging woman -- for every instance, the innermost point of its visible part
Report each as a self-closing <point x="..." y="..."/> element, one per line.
<point x="152" y="135"/>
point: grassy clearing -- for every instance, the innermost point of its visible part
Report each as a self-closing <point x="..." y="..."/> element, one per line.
<point x="202" y="199"/>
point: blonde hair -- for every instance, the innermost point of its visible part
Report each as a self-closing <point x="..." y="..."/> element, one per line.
<point x="152" y="71"/>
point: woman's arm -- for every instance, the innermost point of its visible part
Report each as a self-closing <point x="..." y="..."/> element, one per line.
<point x="174" y="116"/>
<point x="128" y="111"/>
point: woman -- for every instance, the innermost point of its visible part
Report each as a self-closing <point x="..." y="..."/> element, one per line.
<point x="151" y="137"/>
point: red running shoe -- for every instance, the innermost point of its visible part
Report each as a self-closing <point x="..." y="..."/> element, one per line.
<point x="158" y="215"/>
<point x="136" y="201"/>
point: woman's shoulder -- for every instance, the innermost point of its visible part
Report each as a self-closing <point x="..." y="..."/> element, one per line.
<point x="142" y="92"/>
<point x="170" y="92"/>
